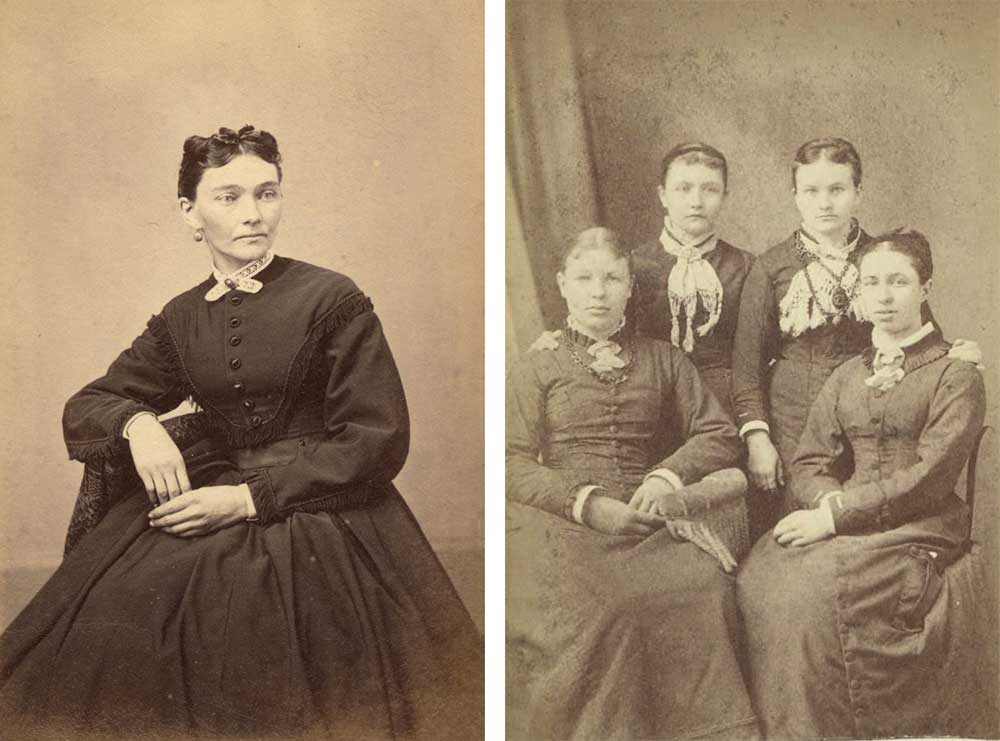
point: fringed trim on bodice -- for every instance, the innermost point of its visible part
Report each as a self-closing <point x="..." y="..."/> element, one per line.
<point x="242" y="436"/>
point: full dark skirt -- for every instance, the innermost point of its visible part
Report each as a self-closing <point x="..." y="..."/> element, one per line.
<point x="618" y="637"/>
<point x="866" y="636"/>
<point x="331" y="624"/>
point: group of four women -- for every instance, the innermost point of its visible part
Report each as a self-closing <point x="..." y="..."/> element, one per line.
<point x="820" y="362"/>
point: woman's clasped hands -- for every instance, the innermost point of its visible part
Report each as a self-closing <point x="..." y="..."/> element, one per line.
<point x="654" y="505"/>
<point x="179" y="509"/>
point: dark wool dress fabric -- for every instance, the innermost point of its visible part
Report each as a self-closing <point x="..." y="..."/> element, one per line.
<point x="615" y="637"/>
<point x="331" y="616"/>
<point x="877" y="631"/>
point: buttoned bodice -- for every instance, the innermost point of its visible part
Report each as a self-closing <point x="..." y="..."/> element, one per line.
<point x="614" y="432"/>
<point x="565" y="427"/>
<point x="896" y="454"/>
<point x="247" y="357"/>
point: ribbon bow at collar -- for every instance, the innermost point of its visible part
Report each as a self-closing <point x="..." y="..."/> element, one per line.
<point x="606" y="357"/>
<point x="241" y="280"/>
<point x="888" y="369"/>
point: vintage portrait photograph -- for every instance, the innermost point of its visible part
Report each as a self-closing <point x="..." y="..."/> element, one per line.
<point x="752" y="364"/>
<point x="242" y="386"/>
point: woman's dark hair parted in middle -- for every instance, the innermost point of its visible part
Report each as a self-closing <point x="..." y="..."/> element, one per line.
<point x="908" y="242"/>
<point x="696" y="153"/>
<point x="203" y="152"/>
<point x="836" y="150"/>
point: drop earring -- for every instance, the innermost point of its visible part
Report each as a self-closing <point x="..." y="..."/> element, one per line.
<point x="199" y="235"/>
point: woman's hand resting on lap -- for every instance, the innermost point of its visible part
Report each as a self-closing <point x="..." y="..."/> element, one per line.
<point x="201" y="511"/>
<point x="610" y="516"/>
<point x="805" y="527"/>
<point x="157" y="459"/>
<point x="648" y="494"/>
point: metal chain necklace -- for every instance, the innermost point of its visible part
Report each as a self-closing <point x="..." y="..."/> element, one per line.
<point x="840" y="298"/>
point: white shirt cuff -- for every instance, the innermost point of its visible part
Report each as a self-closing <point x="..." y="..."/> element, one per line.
<point x="133" y="419"/>
<point x="667" y="475"/>
<point x="251" y="509"/>
<point x="756" y="424"/>
<point x="827" y="510"/>
<point x="580" y="499"/>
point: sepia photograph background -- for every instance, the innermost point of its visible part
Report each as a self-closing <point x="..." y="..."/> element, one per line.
<point x="378" y="110"/>
<point x="597" y="92"/>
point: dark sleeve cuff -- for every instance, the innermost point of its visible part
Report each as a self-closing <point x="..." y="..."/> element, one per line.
<point x="99" y="451"/>
<point x="854" y="514"/>
<point x="262" y="495"/>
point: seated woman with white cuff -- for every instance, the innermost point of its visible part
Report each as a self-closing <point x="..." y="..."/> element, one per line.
<point x="623" y="516"/>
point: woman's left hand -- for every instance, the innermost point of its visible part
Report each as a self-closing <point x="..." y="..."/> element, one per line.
<point x="967" y="350"/>
<point x="805" y="527"/>
<point x="201" y="511"/>
<point x="648" y="494"/>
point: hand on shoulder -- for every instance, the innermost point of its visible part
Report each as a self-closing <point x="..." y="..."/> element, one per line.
<point x="546" y="341"/>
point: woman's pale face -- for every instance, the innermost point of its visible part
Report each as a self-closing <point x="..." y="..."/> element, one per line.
<point x="596" y="286"/>
<point x="692" y="196"/>
<point x="238" y="208"/>
<point x="892" y="292"/>
<point x="826" y="197"/>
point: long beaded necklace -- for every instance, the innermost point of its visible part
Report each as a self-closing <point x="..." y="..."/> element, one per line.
<point x="840" y="298"/>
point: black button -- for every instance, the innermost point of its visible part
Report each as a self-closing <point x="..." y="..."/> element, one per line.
<point x="238" y="387"/>
<point x="235" y="363"/>
<point x="255" y="421"/>
<point x="234" y="322"/>
<point x="235" y="340"/>
<point x="236" y="300"/>
<point x="248" y="403"/>
<point x="875" y="420"/>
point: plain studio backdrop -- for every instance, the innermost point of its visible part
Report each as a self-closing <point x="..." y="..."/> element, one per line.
<point x="377" y="108"/>
<point x="597" y="92"/>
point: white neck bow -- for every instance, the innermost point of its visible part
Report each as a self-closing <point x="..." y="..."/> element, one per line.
<point x="241" y="280"/>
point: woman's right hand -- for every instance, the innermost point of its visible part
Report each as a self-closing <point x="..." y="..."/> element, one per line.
<point x="612" y="517"/>
<point x="157" y="459"/>
<point x="763" y="463"/>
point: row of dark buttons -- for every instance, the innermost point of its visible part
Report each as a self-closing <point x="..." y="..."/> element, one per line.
<point x="235" y="363"/>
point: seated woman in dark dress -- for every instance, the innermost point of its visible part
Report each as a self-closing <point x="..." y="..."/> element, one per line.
<point x="617" y="627"/>
<point x="862" y="608"/>
<point x="263" y="576"/>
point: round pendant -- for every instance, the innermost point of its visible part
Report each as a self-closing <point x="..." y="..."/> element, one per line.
<point x="839" y="298"/>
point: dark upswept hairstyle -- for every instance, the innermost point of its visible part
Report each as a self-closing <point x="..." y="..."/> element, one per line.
<point x="203" y="152"/>
<point x="834" y="149"/>
<point x="696" y="153"/>
<point x="907" y="242"/>
<point x="596" y="237"/>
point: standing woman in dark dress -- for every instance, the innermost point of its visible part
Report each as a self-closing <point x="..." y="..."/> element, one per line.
<point x="864" y="609"/>
<point x="264" y="576"/>
<point x="800" y="317"/>
<point x="688" y="281"/>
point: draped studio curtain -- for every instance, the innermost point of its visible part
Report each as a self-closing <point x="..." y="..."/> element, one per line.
<point x="551" y="190"/>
